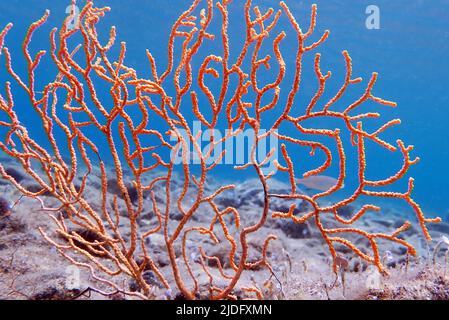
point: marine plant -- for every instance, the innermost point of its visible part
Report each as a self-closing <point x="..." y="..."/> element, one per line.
<point x="89" y="110"/>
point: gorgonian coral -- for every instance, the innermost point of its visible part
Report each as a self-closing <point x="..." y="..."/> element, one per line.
<point x="83" y="128"/>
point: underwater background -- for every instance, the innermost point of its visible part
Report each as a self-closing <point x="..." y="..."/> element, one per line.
<point x="410" y="51"/>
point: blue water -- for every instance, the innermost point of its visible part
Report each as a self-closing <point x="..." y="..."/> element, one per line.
<point x="410" y="51"/>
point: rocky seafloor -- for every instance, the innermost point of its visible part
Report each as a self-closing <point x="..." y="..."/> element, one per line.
<point x="31" y="269"/>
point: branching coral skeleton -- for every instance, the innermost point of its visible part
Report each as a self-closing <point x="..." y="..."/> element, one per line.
<point x="241" y="107"/>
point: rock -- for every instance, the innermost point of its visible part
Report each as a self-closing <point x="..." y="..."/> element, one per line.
<point x="221" y="251"/>
<point x="93" y="181"/>
<point x="442" y="227"/>
<point x="176" y="215"/>
<point x="294" y="230"/>
<point x="253" y="196"/>
<point x="52" y="293"/>
<point x="12" y="224"/>
<point x="114" y="189"/>
<point x="328" y="221"/>
<point x="229" y="201"/>
<point x="385" y="223"/>
<point x="179" y="296"/>
<point x="362" y="242"/>
<point x="16" y="174"/>
<point x="400" y="251"/>
<point x="157" y="245"/>
<point x="346" y="212"/>
<point x="150" y="278"/>
<point x="5" y="208"/>
<point x="162" y="259"/>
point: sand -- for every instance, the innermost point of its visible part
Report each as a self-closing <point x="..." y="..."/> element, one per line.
<point x="30" y="268"/>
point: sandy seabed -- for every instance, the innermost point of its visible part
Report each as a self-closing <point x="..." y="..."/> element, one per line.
<point x="31" y="269"/>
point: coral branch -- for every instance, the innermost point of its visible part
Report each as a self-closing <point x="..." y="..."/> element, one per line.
<point x="99" y="135"/>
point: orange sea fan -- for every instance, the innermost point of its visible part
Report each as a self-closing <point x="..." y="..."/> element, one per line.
<point x="143" y="174"/>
